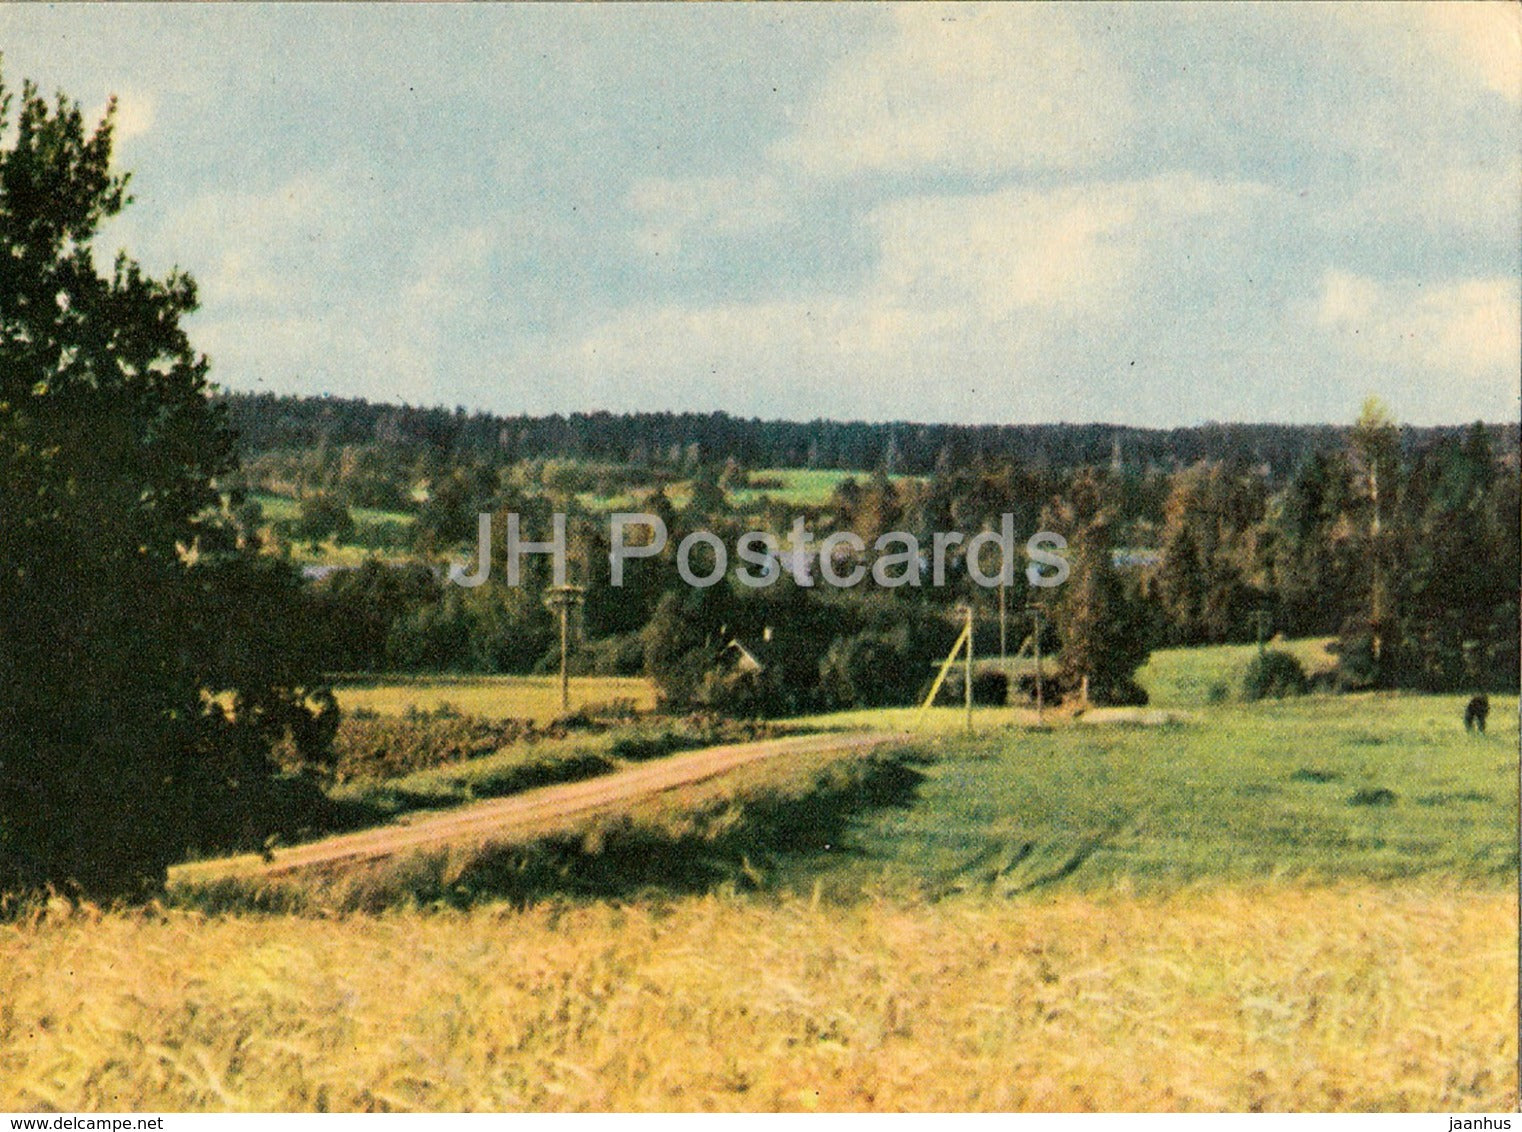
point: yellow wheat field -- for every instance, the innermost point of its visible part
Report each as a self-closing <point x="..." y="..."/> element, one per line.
<point x="496" y="697"/>
<point x="1273" y="998"/>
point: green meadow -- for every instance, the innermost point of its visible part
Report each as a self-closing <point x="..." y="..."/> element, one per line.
<point x="1375" y="786"/>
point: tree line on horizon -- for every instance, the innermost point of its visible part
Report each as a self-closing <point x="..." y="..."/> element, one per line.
<point x="681" y="442"/>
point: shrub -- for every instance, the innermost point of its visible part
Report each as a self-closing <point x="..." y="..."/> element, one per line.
<point x="1273" y="673"/>
<point x="870" y="669"/>
<point x="637" y="748"/>
<point x="990" y="688"/>
<point x="1051" y="688"/>
<point x="620" y="655"/>
<point x="1357" y="667"/>
<point x="620" y="709"/>
<point x="323" y="517"/>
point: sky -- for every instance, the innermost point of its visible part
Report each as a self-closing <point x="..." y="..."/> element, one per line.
<point x="1146" y="214"/>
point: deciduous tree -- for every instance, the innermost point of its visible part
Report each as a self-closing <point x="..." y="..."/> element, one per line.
<point x="131" y="701"/>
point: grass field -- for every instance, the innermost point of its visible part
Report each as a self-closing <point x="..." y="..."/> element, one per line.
<point x="806" y="487"/>
<point x="800" y="487"/>
<point x="282" y="508"/>
<point x="1374" y="786"/>
<point x="1187" y="677"/>
<point x="492" y="697"/>
<point x="1299" y="904"/>
<point x="1378" y="787"/>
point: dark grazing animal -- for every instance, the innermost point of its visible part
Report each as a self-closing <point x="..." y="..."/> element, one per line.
<point x="1475" y="713"/>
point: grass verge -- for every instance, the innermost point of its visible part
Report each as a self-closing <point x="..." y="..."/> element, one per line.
<point x="729" y="829"/>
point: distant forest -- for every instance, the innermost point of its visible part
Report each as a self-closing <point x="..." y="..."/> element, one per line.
<point x="268" y="423"/>
<point x="1401" y="542"/>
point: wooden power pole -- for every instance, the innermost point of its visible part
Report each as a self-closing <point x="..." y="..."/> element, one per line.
<point x="1003" y="631"/>
<point x="967" y="673"/>
<point x="1037" y="613"/>
<point x="1261" y="621"/>
<point x="562" y="599"/>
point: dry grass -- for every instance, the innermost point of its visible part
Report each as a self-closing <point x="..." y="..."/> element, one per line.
<point x="535" y="698"/>
<point x="1357" y="996"/>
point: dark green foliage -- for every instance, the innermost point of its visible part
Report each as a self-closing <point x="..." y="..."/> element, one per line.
<point x="990" y="688"/>
<point x="128" y="599"/>
<point x="1103" y="625"/>
<point x="1277" y="523"/>
<point x="271" y="423"/>
<point x="682" y="646"/>
<point x="1455" y="593"/>
<point x="666" y="741"/>
<point x="790" y="649"/>
<point x="1373" y="796"/>
<point x="1357" y="666"/>
<point x="434" y="638"/>
<point x="357" y="610"/>
<point x="454" y="501"/>
<point x="324" y="517"/>
<point x="610" y="656"/>
<point x="1212" y="515"/>
<point x="870" y="669"/>
<point x="1273" y="673"/>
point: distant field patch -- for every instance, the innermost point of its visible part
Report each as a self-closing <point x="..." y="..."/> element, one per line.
<point x="1190" y="677"/>
<point x="534" y="698"/>
<point x="281" y="508"/>
<point x="807" y="487"/>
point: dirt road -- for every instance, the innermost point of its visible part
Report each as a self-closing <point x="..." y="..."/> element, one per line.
<point x="530" y="812"/>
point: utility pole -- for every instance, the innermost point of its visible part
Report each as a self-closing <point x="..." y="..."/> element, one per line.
<point x="1003" y="632"/>
<point x="967" y="675"/>
<point x="1261" y="620"/>
<point x="1037" y="613"/>
<point x="562" y="599"/>
<point x="1377" y="587"/>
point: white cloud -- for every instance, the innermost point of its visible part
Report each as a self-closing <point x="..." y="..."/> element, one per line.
<point x="1465" y="330"/>
<point x="1450" y="46"/>
<point x="970" y="89"/>
<point x="1483" y="38"/>
<point x="135" y="111"/>
<point x="292" y="296"/>
<point x="672" y="209"/>
<point x="970" y="295"/>
<point x="1017" y="212"/>
<point x="134" y="114"/>
<point x="268" y="246"/>
<point x="1075" y="252"/>
<point x="1478" y="202"/>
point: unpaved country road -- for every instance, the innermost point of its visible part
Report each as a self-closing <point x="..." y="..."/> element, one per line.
<point x="512" y="818"/>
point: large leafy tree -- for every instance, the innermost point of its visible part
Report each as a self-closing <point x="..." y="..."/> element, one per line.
<point x="143" y="672"/>
<point x="1105" y="635"/>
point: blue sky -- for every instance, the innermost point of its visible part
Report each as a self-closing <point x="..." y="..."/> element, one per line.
<point x="1143" y="214"/>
